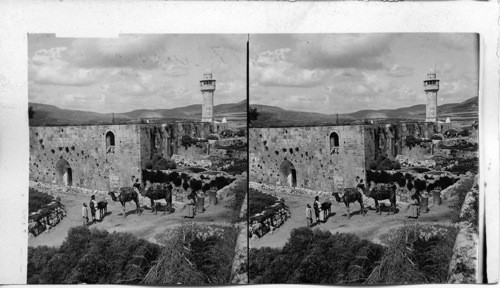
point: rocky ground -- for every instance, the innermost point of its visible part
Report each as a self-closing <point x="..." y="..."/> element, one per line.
<point x="370" y="226"/>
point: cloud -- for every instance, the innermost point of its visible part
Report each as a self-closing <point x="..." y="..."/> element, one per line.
<point x="272" y="68"/>
<point x="363" y="51"/>
<point x="48" y="67"/>
<point x="399" y="71"/>
<point x="137" y="51"/>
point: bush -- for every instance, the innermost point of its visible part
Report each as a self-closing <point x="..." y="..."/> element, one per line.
<point x="384" y="163"/>
<point x="258" y="201"/>
<point x="195" y="185"/>
<point x="411" y="141"/>
<point x="221" y="182"/>
<point x="315" y="256"/>
<point x="419" y="185"/>
<point x="240" y="191"/>
<point x="160" y="163"/>
<point x="161" y="177"/>
<point x="92" y="256"/>
<point x="412" y="259"/>
<point x="185" y="185"/>
<point x="187" y="141"/>
<point x="239" y="166"/>
<point x="37" y="200"/>
<point x="191" y="259"/>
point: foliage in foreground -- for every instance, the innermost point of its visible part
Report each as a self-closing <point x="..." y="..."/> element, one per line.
<point x="195" y="255"/>
<point x="239" y="191"/>
<point x="315" y="256"/>
<point x="37" y="200"/>
<point x="160" y="163"/>
<point x="259" y="201"/>
<point x="92" y="256"/>
<point x="415" y="255"/>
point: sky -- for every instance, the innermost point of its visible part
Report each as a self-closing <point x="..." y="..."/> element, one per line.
<point x="343" y="73"/>
<point x="134" y="71"/>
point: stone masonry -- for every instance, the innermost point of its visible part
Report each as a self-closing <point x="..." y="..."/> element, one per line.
<point x="327" y="157"/>
<point x="105" y="157"/>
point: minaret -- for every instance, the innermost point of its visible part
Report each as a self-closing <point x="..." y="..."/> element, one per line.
<point x="207" y="87"/>
<point x="431" y="87"/>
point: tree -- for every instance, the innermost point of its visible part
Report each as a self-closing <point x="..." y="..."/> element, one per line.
<point x="252" y="115"/>
<point x="31" y="112"/>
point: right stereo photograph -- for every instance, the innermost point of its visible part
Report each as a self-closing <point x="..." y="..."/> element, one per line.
<point x="363" y="158"/>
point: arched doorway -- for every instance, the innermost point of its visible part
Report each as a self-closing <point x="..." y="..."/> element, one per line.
<point x="289" y="173"/>
<point x="64" y="173"/>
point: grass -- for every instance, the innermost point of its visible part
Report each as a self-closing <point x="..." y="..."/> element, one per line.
<point x="240" y="191"/>
<point x="92" y="256"/>
<point x="415" y="255"/>
<point x="194" y="255"/>
<point x="259" y="201"/>
<point x="37" y="200"/>
<point x="315" y="257"/>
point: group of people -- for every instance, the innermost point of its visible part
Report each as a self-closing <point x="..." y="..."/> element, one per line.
<point x="93" y="205"/>
<point x="321" y="212"/>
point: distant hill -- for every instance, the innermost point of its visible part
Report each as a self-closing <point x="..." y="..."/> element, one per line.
<point x="271" y="116"/>
<point x="49" y="115"/>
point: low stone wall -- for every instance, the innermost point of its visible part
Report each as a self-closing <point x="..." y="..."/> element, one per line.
<point x="415" y="161"/>
<point x="238" y="269"/>
<point x="189" y="161"/>
<point x="466" y="182"/>
<point x="464" y="264"/>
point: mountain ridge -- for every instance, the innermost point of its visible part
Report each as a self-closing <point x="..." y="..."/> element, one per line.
<point x="272" y="116"/>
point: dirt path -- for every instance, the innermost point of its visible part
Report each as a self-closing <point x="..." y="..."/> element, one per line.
<point x="146" y="226"/>
<point x="370" y="227"/>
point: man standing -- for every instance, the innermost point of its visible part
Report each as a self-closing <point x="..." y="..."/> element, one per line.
<point x="316" y="206"/>
<point x="93" y="207"/>
<point x="85" y="214"/>
<point x="309" y="215"/>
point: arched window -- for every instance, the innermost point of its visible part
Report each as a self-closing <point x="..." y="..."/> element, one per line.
<point x="334" y="143"/>
<point x="110" y="142"/>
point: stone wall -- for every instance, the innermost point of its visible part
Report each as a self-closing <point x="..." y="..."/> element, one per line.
<point x="318" y="165"/>
<point x="82" y="155"/>
<point x="388" y="140"/>
<point x="165" y="140"/>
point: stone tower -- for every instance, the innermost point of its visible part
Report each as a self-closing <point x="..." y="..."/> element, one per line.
<point x="431" y="87"/>
<point x="207" y="87"/>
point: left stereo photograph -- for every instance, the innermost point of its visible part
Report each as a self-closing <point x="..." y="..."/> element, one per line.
<point x="138" y="159"/>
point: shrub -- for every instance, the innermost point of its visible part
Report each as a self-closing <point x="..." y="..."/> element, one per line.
<point x="187" y="141"/>
<point x="239" y="166"/>
<point x="419" y="185"/>
<point x="460" y="193"/>
<point x="384" y="163"/>
<point x="160" y="163"/>
<point x="239" y="191"/>
<point x="93" y="256"/>
<point x="37" y="200"/>
<point x="259" y="261"/>
<point x="189" y="258"/>
<point x="185" y="185"/>
<point x="195" y="185"/>
<point x="412" y="259"/>
<point x="315" y="256"/>
<point x="177" y="182"/>
<point x="411" y="141"/>
<point x="258" y="201"/>
<point x="221" y="182"/>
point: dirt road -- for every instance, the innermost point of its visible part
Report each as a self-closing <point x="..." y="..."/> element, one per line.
<point x="370" y="226"/>
<point x="146" y="226"/>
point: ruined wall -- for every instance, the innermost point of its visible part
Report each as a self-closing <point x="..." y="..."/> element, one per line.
<point x="388" y="140"/>
<point x="164" y="140"/>
<point x="317" y="165"/>
<point x="93" y="164"/>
